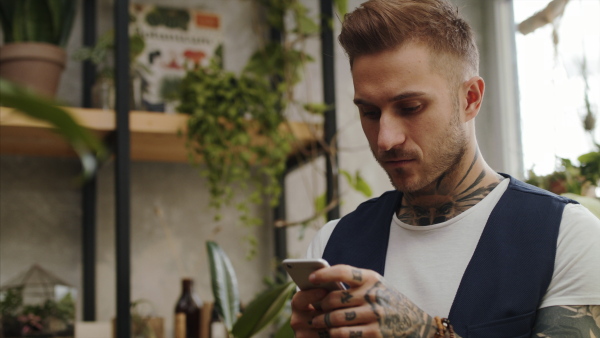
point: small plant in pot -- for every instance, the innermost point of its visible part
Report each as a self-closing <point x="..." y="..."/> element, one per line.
<point x="102" y="56"/>
<point x="35" y="35"/>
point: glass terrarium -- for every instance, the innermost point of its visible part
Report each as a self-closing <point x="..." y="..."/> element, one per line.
<point x="36" y="303"/>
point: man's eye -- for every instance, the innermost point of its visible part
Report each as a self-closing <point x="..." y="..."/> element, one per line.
<point x="370" y="114"/>
<point x="411" y="109"/>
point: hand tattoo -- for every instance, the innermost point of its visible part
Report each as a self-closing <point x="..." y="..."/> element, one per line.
<point x="350" y="316"/>
<point x="356" y="275"/>
<point x="323" y="334"/>
<point x="327" y="319"/>
<point x="396" y="314"/>
<point x="355" y="334"/>
<point x="346" y="297"/>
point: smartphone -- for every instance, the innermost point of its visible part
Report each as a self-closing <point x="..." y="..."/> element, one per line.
<point x="300" y="269"/>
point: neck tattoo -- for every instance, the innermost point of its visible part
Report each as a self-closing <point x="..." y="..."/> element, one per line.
<point x="443" y="202"/>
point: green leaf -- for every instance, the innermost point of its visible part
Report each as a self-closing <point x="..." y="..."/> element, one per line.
<point x="347" y="176"/>
<point x="262" y="310"/>
<point x="38" y="21"/>
<point x="307" y="26"/>
<point x="285" y="331"/>
<point x="362" y="186"/>
<point x="68" y="10"/>
<point x="320" y="202"/>
<point x="224" y="284"/>
<point x="316" y="108"/>
<point x="357" y="183"/>
<point x="589" y="157"/>
<point x="7" y="13"/>
<point x="86" y="145"/>
<point x="19" y="27"/>
<point x="341" y="6"/>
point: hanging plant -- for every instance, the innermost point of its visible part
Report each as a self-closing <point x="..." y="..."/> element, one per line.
<point x="237" y="131"/>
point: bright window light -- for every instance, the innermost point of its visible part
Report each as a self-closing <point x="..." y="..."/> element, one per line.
<point x="551" y="84"/>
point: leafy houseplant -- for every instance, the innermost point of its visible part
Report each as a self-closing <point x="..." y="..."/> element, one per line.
<point x="19" y="319"/>
<point x="228" y="109"/>
<point x="261" y="311"/>
<point x="101" y="55"/>
<point x="578" y="182"/>
<point x="38" y="30"/>
<point x="89" y="149"/>
<point x="49" y="21"/>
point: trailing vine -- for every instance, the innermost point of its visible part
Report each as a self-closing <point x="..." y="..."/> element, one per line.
<point x="230" y="111"/>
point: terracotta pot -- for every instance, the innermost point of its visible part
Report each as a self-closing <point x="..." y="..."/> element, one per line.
<point x="34" y="65"/>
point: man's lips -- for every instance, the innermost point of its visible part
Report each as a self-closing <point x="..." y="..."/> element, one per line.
<point x="398" y="162"/>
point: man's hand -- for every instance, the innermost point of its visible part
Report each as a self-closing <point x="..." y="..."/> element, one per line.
<point x="303" y="312"/>
<point x="368" y="309"/>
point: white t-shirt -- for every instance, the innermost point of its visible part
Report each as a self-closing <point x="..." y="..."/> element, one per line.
<point x="430" y="277"/>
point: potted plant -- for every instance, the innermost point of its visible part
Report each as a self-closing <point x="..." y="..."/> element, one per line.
<point x="262" y="311"/>
<point x="35" y="35"/>
<point x="102" y="56"/>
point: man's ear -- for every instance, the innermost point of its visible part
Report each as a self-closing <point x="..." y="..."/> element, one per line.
<point x="473" y="90"/>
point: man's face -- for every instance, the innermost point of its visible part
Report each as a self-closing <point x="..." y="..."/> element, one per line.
<point x="410" y="116"/>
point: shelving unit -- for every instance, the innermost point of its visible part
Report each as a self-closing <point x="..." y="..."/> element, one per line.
<point x="146" y="136"/>
<point x="154" y="136"/>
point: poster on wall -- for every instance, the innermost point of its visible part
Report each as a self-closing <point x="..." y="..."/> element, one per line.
<point x="175" y="40"/>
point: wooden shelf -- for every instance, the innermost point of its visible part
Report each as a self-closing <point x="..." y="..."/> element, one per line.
<point x="154" y="136"/>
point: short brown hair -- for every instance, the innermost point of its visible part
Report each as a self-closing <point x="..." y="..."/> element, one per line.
<point x="379" y="25"/>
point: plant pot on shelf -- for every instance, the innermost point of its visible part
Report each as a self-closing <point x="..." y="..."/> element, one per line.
<point x="35" y="65"/>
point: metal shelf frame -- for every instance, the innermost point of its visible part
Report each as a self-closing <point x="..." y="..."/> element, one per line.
<point x="122" y="161"/>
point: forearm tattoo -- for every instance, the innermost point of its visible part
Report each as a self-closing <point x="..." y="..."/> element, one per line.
<point x="568" y="321"/>
<point x="386" y="303"/>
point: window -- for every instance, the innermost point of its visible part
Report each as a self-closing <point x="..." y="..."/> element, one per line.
<point x="551" y="84"/>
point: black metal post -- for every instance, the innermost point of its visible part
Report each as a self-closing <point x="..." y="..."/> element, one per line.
<point x="279" y="212"/>
<point x="122" y="169"/>
<point x="280" y="234"/>
<point x="88" y="193"/>
<point x="88" y="249"/>
<point x="89" y="40"/>
<point x="330" y="125"/>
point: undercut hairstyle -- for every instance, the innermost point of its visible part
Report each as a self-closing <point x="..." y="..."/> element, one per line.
<point x="380" y="25"/>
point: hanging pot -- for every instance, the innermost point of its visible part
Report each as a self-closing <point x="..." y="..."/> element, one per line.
<point x="35" y="65"/>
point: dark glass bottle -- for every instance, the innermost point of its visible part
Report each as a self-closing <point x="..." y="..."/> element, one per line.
<point x="187" y="311"/>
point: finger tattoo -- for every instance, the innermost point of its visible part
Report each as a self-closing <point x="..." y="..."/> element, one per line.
<point x="355" y="334"/>
<point x="356" y="275"/>
<point x="350" y="316"/>
<point x="327" y="319"/>
<point x="323" y="334"/>
<point x="345" y="297"/>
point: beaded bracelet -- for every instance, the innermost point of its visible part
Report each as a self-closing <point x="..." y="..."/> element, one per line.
<point x="443" y="326"/>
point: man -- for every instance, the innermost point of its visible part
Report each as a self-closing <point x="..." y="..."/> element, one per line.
<point x="491" y="255"/>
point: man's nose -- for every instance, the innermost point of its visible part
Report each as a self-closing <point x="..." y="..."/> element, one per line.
<point x="391" y="132"/>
